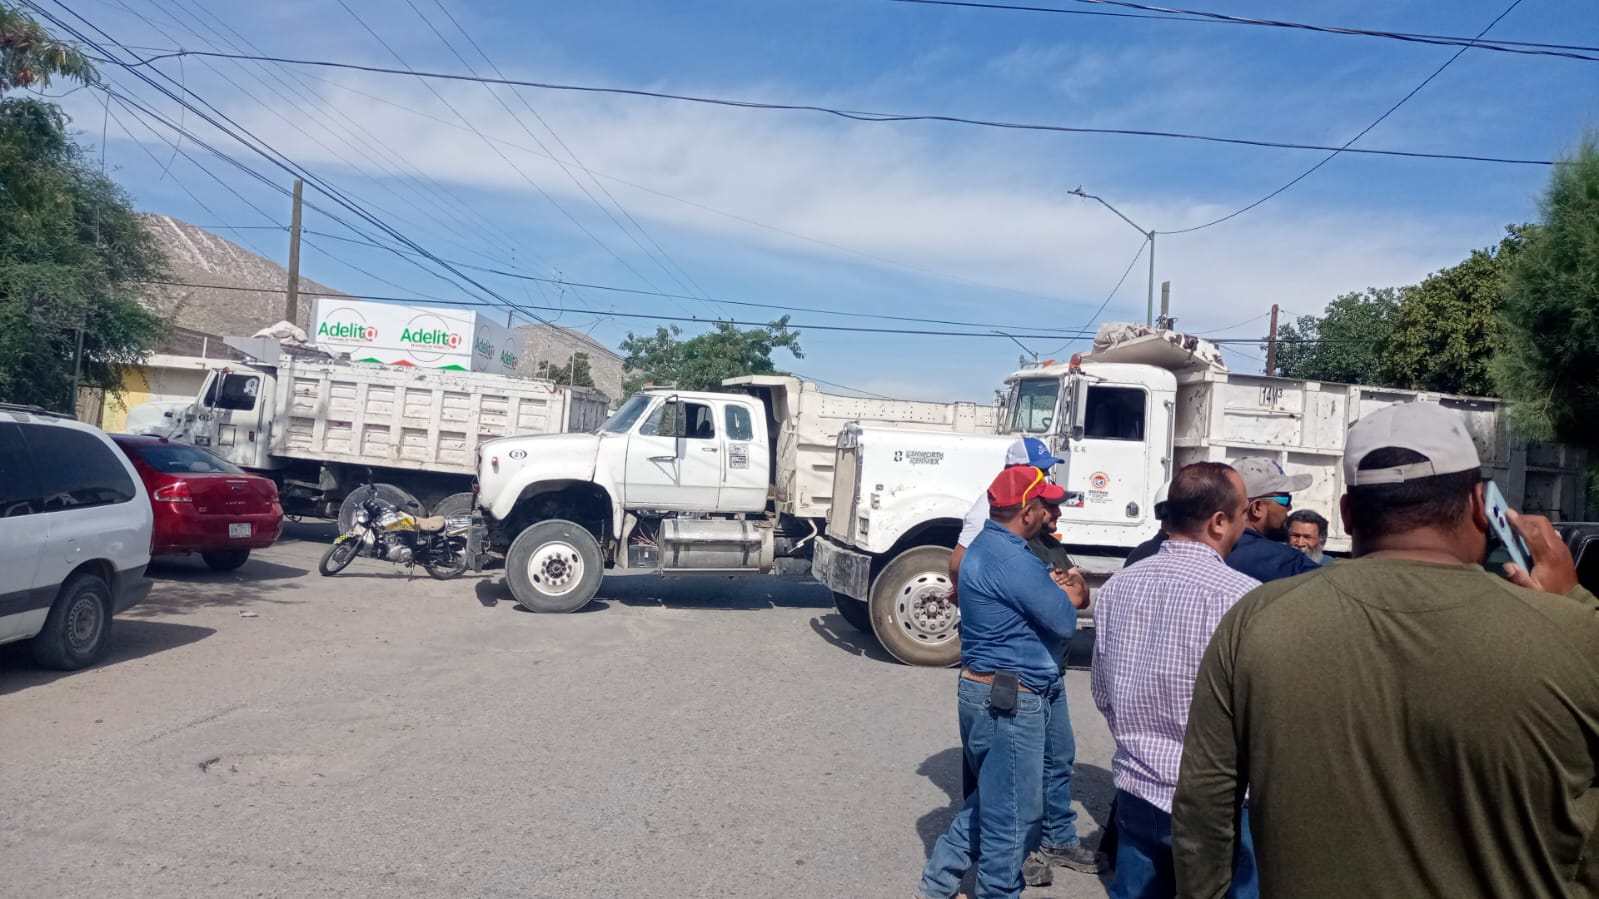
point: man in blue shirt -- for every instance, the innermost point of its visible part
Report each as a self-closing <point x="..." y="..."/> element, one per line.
<point x="1015" y="621"/>
<point x="1263" y="552"/>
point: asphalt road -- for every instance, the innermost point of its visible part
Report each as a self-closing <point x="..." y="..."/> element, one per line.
<point x="271" y="732"/>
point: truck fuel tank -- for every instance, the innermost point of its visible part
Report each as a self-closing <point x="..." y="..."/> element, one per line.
<point x="716" y="544"/>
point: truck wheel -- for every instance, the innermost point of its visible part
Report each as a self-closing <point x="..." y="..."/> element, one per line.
<point x="453" y="505"/>
<point x="853" y="611"/>
<point x="912" y="613"/>
<point x="78" y="627"/>
<point x="554" y="566"/>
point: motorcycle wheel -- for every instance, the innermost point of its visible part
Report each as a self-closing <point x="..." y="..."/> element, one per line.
<point x="454" y="567"/>
<point x="339" y="556"/>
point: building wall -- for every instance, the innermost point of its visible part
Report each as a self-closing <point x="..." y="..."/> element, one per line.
<point x="543" y="343"/>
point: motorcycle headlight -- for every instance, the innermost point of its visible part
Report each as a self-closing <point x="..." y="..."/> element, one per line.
<point x="361" y="517"/>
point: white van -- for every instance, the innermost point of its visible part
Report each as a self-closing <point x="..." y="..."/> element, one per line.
<point x="74" y="536"/>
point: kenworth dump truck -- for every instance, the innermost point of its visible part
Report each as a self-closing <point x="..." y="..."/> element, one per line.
<point x="734" y="482"/>
<point x="1123" y="417"/>
<point x="315" y="424"/>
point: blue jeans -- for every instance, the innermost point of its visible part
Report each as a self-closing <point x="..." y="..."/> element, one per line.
<point x="1060" y="754"/>
<point x="1144" y="866"/>
<point x="1002" y="819"/>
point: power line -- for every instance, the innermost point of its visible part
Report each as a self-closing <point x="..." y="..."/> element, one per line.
<point x="1168" y="14"/>
<point x="633" y="315"/>
<point x="1363" y="132"/>
<point x="784" y="307"/>
<point x="1108" y="297"/>
<point x="856" y="115"/>
<point x="665" y="261"/>
<point x="861" y="254"/>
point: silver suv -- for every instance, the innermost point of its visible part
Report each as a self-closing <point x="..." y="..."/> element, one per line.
<point x="74" y="536"/>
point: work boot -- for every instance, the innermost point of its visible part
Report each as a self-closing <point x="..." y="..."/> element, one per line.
<point x="1076" y="857"/>
<point x="1036" y="872"/>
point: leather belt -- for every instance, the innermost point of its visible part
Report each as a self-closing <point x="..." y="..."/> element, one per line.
<point x="977" y="677"/>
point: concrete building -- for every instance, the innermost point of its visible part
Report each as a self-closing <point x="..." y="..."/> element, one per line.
<point x="556" y="346"/>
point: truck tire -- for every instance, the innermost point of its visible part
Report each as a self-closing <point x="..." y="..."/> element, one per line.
<point x="455" y="504"/>
<point x="78" y="627"/>
<point x="853" y="611"/>
<point x="912" y="614"/>
<point x="554" y="566"/>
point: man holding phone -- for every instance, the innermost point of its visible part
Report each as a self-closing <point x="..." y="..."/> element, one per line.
<point x="1405" y="723"/>
<point x="1014" y="621"/>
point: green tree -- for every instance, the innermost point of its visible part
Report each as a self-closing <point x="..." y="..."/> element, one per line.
<point x="574" y="372"/>
<point x="71" y="248"/>
<point x="1449" y="325"/>
<point x="702" y="362"/>
<point x="1548" y="366"/>
<point x="1345" y="344"/>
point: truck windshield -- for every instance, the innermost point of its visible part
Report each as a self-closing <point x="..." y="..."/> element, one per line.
<point x="622" y="419"/>
<point x="1033" y="408"/>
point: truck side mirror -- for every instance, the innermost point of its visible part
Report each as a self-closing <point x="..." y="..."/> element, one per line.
<point x="1079" y="408"/>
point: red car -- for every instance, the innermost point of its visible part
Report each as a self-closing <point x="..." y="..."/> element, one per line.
<point x="202" y="503"/>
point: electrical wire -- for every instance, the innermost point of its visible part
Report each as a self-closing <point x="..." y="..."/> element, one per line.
<point x="632" y="315"/>
<point x="855" y="115"/>
<point x="1363" y="132"/>
<point x="723" y="301"/>
<point x="1108" y="297"/>
<point x="1168" y="14"/>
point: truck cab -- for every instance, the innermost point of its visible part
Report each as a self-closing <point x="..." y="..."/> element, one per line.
<point x="675" y="481"/>
<point x="899" y="496"/>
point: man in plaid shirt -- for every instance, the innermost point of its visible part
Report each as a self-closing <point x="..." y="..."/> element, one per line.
<point x="1154" y="621"/>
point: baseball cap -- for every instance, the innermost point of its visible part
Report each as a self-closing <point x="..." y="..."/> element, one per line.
<point x="1427" y="429"/>
<point x="1019" y="483"/>
<point x="1030" y="451"/>
<point x="1263" y="477"/>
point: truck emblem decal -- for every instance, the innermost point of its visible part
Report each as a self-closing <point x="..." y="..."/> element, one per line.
<point x="918" y="457"/>
<point x="517" y="454"/>
<point x="738" y="456"/>
<point x="1098" y="480"/>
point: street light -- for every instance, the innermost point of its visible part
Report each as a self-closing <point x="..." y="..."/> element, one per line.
<point x="1149" y="235"/>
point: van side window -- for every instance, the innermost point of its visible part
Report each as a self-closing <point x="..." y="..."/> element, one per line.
<point x="19" y="493"/>
<point x="739" y="425"/>
<point x="82" y="471"/>
<point x="1115" y="413"/>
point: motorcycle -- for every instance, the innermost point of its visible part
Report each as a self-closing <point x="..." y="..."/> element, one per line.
<point x="380" y="529"/>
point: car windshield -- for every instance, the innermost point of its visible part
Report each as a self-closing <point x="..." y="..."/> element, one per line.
<point x="181" y="458"/>
<point x="622" y="419"/>
<point x="1033" y="406"/>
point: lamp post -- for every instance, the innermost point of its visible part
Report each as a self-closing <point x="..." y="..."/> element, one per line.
<point x="1149" y="235"/>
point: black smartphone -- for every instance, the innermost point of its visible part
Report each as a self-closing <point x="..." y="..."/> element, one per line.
<point x="1002" y="698"/>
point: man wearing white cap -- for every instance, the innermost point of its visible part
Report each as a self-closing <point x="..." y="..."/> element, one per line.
<point x="1263" y="553"/>
<point x="1405" y="723"/>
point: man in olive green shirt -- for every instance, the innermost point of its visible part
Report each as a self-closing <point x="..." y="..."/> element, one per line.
<point x="1405" y="723"/>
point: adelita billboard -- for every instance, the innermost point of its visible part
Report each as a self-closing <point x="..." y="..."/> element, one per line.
<point x="413" y="335"/>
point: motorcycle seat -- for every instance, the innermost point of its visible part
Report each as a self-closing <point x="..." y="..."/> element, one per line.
<point x="430" y="524"/>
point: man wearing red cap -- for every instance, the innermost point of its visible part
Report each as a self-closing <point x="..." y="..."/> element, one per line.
<point x="1014" y="622"/>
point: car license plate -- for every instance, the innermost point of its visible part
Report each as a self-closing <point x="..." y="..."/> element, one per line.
<point x="239" y="530"/>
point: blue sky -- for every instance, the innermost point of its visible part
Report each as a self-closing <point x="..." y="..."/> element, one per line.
<point x="931" y="221"/>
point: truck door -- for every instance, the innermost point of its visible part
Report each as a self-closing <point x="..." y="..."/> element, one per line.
<point x="674" y="459"/>
<point x="746" y="475"/>
<point x="229" y="417"/>
<point x="1110" y="462"/>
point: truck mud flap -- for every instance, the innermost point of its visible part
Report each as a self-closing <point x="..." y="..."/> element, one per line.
<point x="843" y="570"/>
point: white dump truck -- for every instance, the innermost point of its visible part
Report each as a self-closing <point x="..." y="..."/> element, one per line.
<point x="1123" y="417"/>
<point x="315" y="424"/>
<point x="682" y="483"/>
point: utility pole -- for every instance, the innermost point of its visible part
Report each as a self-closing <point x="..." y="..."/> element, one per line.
<point x="291" y="304"/>
<point x="1271" y="345"/>
<point x="1149" y="235"/>
<point x="1165" y="320"/>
